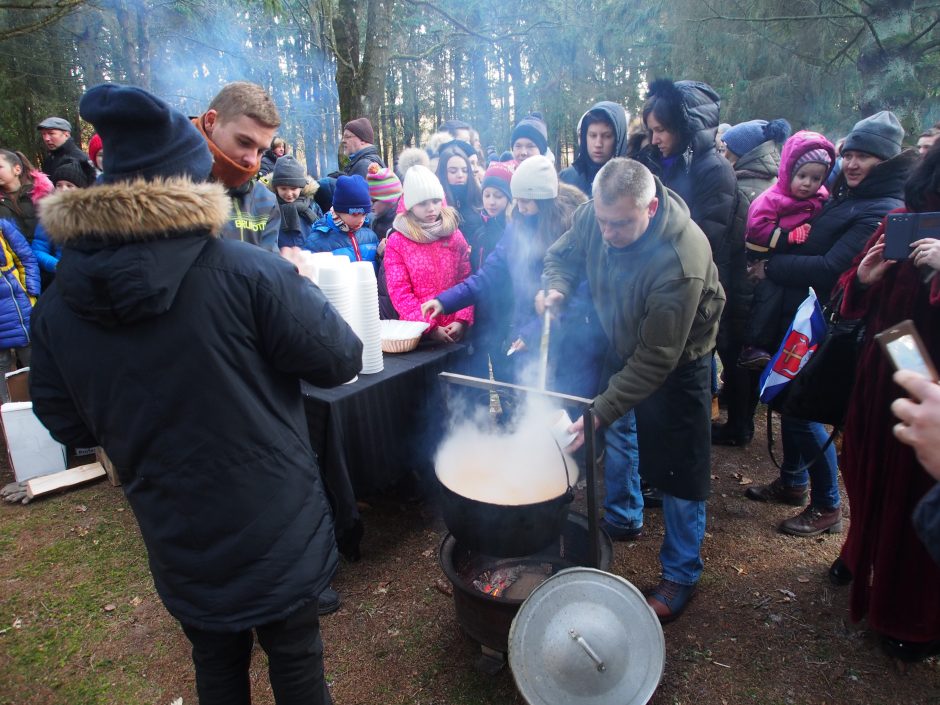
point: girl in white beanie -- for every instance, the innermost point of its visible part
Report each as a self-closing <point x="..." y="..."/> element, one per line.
<point x="426" y="253"/>
<point x="542" y="211"/>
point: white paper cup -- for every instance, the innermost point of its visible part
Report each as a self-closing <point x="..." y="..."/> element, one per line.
<point x="560" y="425"/>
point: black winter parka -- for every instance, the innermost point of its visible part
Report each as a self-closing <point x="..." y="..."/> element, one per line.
<point x="181" y="354"/>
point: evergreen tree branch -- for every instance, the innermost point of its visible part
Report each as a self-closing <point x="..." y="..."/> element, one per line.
<point x="61" y="11"/>
<point x="921" y="35"/>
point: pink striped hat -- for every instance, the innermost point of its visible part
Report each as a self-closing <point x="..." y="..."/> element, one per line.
<point x="383" y="184"/>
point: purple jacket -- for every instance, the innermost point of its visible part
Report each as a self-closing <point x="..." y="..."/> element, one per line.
<point x="776" y="210"/>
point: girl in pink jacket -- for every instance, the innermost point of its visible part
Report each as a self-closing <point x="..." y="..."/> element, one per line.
<point x="425" y="254"/>
<point x="778" y="219"/>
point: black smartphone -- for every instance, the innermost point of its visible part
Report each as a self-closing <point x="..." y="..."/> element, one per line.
<point x="902" y="229"/>
<point x="899" y="234"/>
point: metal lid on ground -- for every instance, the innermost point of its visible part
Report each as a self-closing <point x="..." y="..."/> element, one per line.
<point x="586" y="637"/>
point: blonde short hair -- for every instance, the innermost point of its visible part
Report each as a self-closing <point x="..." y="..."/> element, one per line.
<point x="248" y="99"/>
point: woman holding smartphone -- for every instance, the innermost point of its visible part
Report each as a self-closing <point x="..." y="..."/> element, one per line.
<point x="883" y="477"/>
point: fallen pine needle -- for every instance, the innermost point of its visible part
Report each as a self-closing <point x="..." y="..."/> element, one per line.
<point x="723" y="665"/>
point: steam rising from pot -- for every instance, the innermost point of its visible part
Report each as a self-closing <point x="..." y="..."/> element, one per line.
<point x="516" y="466"/>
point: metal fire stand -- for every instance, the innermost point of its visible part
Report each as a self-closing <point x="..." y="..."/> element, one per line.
<point x="590" y="461"/>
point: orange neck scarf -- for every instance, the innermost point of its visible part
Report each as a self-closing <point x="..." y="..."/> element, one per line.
<point x="224" y="170"/>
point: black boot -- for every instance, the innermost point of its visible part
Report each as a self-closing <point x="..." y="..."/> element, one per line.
<point x="329" y="601"/>
<point x="839" y="573"/>
<point x="723" y="435"/>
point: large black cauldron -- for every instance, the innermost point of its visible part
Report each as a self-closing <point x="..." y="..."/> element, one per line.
<point x="504" y="530"/>
<point x="487" y="619"/>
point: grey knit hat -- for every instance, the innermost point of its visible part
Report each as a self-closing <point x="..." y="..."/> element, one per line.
<point x="289" y="172"/>
<point x="535" y="179"/>
<point x="880" y="134"/>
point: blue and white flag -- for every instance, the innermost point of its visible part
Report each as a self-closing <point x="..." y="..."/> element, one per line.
<point x="799" y="344"/>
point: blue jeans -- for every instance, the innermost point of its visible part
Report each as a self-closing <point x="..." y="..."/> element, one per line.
<point x="681" y="552"/>
<point x="623" y="504"/>
<point x="684" y="520"/>
<point x="802" y="441"/>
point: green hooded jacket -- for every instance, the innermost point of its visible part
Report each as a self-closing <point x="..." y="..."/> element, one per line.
<point x="658" y="299"/>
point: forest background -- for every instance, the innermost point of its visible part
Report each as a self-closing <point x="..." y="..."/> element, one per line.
<point x="410" y="64"/>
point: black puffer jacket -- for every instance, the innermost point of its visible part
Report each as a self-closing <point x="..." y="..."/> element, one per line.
<point x="360" y="161"/>
<point x="582" y="172"/>
<point x="755" y="172"/>
<point x="839" y="232"/>
<point x="181" y="353"/>
<point x="68" y="151"/>
<point x="703" y="178"/>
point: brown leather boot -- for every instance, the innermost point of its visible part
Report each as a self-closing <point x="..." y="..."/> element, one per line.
<point x="776" y="491"/>
<point x="812" y="521"/>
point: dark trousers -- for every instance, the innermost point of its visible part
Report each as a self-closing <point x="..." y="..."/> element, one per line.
<point x="741" y="392"/>
<point x="763" y="323"/>
<point x="295" y="661"/>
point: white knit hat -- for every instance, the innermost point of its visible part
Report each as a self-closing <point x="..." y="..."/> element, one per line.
<point x="421" y="185"/>
<point x="535" y="179"/>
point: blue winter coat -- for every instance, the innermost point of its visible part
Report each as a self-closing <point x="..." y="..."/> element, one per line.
<point x="509" y="280"/>
<point x="325" y="236"/>
<point x="47" y="253"/>
<point x="20" y="286"/>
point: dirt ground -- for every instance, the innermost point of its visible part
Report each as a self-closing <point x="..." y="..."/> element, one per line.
<point x="80" y="622"/>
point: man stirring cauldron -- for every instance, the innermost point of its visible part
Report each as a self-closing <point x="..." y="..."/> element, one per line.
<point x="181" y="353"/>
<point x="656" y="291"/>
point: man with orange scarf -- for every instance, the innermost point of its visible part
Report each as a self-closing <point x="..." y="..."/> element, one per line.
<point x="239" y="126"/>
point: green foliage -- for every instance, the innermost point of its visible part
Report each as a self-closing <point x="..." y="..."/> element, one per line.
<point x="410" y="64"/>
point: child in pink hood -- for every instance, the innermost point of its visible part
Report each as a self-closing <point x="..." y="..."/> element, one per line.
<point x="778" y="220"/>
<point x="425" y="254"/>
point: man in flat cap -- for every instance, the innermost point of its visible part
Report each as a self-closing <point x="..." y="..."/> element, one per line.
<point x="56" y="135"/>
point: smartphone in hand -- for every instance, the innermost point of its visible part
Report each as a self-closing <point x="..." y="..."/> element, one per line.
<point x="907" y="351"/>
<point x="899" y="234"/>
<point x="902" y="229"/>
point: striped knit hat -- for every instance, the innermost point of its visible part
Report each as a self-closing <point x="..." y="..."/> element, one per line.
<point x="813" y="156"/>
<point x="498" y="175"/>
<point x="383" y="184"/>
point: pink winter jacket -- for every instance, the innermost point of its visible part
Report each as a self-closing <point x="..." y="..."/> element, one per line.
<point x="776" y="211"/>
<point x="417" y="272"/>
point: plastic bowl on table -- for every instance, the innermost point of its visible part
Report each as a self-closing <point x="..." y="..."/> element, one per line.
<point x="401" y="336"/>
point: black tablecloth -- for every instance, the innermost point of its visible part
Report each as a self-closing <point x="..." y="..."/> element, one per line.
<point x="372" y="433"/>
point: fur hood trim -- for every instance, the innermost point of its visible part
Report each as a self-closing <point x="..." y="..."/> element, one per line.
<point x="135" y="211"/>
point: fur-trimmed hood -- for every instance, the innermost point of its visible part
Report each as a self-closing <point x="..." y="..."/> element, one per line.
<point x="128" y="246"/>
<point x="134" y="211"/>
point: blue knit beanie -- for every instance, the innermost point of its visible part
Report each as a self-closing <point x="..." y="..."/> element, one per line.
<point x="745" y="136"/>
<point x="352" y="195"/>
<point x="532" y="127"/>
<point x="143" y="137"/>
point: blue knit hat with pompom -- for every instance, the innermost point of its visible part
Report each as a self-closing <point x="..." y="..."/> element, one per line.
<point x="745" y="136"/>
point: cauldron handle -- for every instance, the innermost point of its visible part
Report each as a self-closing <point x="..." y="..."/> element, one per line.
<point x="569" y="493"/>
